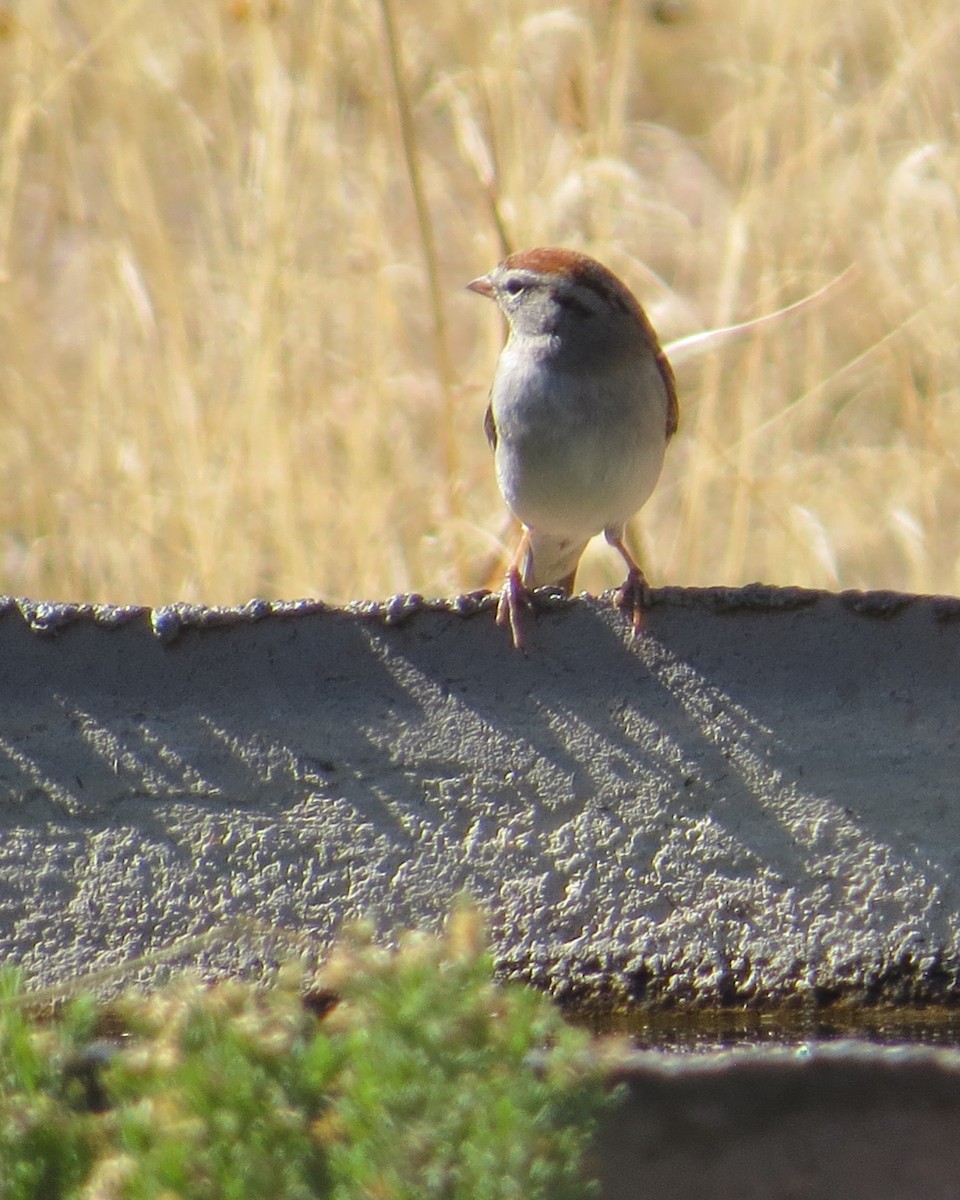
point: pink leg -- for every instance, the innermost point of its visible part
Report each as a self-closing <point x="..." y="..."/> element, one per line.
<point x="514" y="594"/>
<point x="633" y="592"/>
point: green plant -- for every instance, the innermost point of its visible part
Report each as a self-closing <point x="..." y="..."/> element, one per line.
<point x="437" y="1096"/>
<point x="428" y="1080"/>
<point x="217" y="1099"/>
<point x="46" y="1147"/>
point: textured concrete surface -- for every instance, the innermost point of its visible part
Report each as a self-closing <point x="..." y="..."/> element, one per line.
<point x="755" y="801"/>
<point x="839" y="1122"/>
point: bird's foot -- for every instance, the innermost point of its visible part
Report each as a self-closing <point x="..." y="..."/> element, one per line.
<point x="634" y="594"/>
<point x="514" y="597"/>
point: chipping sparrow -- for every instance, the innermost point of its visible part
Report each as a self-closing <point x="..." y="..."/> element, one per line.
<point x="582" y="406"/>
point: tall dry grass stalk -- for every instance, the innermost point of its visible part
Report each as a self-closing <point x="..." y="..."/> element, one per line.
<point x="218" y="343"/>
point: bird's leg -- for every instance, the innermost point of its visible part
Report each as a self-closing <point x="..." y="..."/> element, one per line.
<point x="633" y="593"/>
<point x="514" y="594"/>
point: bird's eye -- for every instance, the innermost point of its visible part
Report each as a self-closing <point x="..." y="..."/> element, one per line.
<point x="513" y="286"/>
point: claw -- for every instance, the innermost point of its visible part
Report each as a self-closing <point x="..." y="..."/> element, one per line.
<point x="634" y="595"/>
<point x="513" y="598"/>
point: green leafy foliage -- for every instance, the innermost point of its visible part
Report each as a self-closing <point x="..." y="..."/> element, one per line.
<point x="46" y="1147"/>
<point x="437" y="1097"/>
<point x="427" y="1080"/>
<point x="218" y="1096"/>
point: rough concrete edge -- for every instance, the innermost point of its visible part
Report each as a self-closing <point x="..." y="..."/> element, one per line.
<point x="795" y="1057"/>
<point x="166" y="622"/>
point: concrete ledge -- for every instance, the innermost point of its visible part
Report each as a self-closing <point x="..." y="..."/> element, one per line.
<point x="851" y="1121"/>
<point x="756" y="802"/>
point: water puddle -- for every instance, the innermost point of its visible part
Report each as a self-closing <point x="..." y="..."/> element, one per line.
<point x="706" y="1032"/>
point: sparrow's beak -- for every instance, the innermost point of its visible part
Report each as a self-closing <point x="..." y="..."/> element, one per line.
<point x="482" y="286"/>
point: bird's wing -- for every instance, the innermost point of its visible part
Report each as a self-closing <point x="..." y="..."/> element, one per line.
<point x="666" y="374"/>
<point x="673" y="406"/>
<point x="490" y="427"/>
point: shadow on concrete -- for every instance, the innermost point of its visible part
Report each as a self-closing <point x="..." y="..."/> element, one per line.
<point x="755" y="800"/>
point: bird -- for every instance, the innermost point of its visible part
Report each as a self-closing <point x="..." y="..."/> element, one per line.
<point x="582" y="406"/>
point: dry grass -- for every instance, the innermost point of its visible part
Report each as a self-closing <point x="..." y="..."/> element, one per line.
<point x="221" y="371"/>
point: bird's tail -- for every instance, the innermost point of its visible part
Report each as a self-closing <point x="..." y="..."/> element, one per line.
<point x="551" y="560"/>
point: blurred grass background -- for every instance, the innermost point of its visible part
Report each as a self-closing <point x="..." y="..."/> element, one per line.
<point x="223" y="372"/>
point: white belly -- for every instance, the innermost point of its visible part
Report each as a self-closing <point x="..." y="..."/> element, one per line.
<point x="575" y="456"/>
